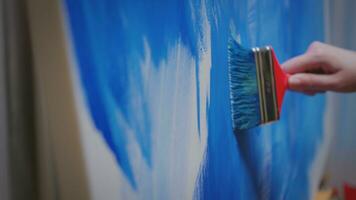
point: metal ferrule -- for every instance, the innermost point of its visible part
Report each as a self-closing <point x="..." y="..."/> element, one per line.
<point x="266" y="84"/>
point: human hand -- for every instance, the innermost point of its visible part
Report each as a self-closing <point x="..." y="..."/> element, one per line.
<point x="322" y="68"/>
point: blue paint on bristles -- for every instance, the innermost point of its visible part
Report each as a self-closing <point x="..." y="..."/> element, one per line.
<point x="244" y="95"/>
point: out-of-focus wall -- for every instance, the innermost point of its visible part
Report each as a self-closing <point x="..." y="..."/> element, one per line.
<point x="61" y="170"/>
<point x="4" y="179"/>
<point x="341" y="31"/>
<point x="342" y="24"/>
<point x="17" y="130"/>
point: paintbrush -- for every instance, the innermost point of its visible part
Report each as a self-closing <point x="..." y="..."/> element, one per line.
<point x="257" y="85"/>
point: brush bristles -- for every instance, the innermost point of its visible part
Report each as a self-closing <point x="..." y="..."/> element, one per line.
<point x="244" y="93"/>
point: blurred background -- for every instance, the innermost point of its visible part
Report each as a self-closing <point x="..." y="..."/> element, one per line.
<point x="341" y="164"/>
<point x="26" y="162"/>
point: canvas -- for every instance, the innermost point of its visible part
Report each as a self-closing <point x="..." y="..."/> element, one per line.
<point x="151" y="83"/>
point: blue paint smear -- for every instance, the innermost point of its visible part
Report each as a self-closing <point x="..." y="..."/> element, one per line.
<point x="270" y="162"/>
<point x="278" y="157"/>
<point x="108" y="37"/>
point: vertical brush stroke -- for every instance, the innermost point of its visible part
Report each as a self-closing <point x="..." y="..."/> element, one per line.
<point x="154" y="76"/>
<point x="159" y="100"/>
<point x="276" y="158"/>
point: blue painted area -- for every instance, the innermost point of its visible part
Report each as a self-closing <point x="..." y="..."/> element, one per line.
<point x="270" y="162"/>
<point x="278" y="157"/>
<point x="108" y="37"/>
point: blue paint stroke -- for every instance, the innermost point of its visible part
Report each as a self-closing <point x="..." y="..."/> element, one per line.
<point x="270" y="162"/>
<point x="277" y="158"/>
<point x="108" y="37"/>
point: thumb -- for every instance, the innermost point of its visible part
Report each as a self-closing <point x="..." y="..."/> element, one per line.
<point x="317" y="82"/>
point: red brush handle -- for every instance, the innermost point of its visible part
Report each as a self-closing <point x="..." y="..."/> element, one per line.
<point x="281" y="81"/>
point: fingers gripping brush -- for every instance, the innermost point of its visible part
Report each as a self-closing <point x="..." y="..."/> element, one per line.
<point x="257" y="85"/>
